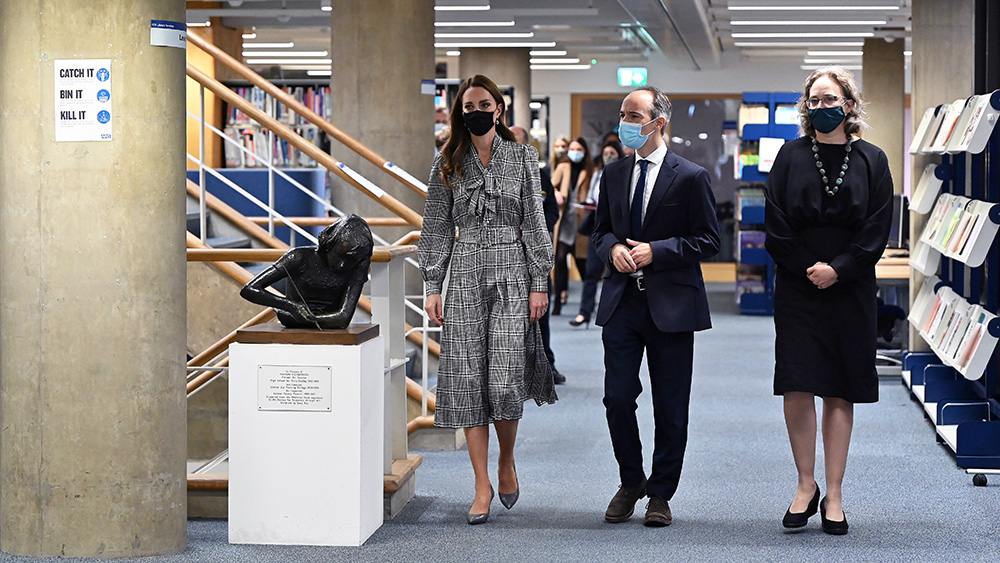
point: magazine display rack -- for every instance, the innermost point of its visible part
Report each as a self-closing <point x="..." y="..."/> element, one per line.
<point x="955" y="311"/>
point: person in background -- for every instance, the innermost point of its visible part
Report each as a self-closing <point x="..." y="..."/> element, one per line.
<point x="827" y="215"/>
<point x="560" y="149"/>
<point x="572" y="180"/>
<point x="551" y="210"/>
<point x="491" y="362"/>
<point x="441" y="137"/>
<point x="655" y="223"/>
<point x="610" y="152"/>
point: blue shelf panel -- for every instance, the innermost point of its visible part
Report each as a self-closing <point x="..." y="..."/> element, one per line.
<point x="978" y="444"/>
<point x="752" y="215"/>
<point x="754" y="131"/>
<point x="751" y="174"/>
<point x="757" y="304"/>
<point x="755" y="257"/>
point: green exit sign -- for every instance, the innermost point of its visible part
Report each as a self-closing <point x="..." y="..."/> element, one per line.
<point x="631" y="76"/>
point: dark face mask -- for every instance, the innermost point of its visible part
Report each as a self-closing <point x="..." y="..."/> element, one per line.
<point x="479" y="123"/>
<point x="825" y="120"/>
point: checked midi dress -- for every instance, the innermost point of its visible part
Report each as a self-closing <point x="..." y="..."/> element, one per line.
<point x="492" y="359"/>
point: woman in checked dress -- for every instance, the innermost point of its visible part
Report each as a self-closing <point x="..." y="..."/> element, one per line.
<point x="492" y="359"/>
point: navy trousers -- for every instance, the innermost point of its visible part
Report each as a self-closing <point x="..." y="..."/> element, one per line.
<point x="627" y="335"/>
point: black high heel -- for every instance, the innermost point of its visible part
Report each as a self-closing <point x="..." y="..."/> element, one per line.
<point x="799" y="519"/>
<point x="832" y="527"/>
<point x="580" y="320"/>
<point x="556" y="307"/>
<point x="474" y="519"/>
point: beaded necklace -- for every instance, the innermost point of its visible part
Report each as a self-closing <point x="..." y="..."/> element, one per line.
<point x="822" y="172"/>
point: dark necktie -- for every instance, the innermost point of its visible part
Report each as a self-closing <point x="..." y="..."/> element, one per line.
<point x="640" y="189"/>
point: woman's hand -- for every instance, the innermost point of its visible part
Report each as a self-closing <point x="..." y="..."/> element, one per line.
<point x="822" y="275"/>
<point x="538" y="302"/>
<point x="434" y="308"/>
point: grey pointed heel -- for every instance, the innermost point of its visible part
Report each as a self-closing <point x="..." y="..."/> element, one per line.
<point x="508" y="499"/>
<point x="474" y="519"/>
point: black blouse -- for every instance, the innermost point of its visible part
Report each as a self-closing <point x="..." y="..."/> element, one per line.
<point x="804" y="225"/>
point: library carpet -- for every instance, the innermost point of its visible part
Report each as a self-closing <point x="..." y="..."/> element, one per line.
<point x="905" y="498"/>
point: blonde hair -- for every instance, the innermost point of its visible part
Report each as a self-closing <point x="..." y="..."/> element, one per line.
<point x="855" y="120"/>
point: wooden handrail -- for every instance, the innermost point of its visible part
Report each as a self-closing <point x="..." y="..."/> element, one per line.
<point x="286" y="133"/>
<point x="299" y="108"/>
<point x="409" y="238"/>
<point x="420" y="422"/>
<point x="325" y="221"/>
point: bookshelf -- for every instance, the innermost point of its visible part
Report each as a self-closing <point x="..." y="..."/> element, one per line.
<point x="766" y="121"/>
<point x="255" y="138"/>
<point x="955" y="309"/>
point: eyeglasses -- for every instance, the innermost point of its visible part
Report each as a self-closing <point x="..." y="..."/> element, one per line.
<point x="828" y="100"/>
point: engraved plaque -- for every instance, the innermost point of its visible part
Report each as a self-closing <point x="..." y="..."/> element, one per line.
<point x="294" y="388"/>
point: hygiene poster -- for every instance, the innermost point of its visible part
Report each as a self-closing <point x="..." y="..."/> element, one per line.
<point x="83" y="100"/>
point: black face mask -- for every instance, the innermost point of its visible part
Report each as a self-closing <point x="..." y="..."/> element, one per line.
<point x="479" y="123"/>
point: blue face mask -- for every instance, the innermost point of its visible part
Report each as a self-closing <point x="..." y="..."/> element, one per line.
<point x="630" y="134"/>
<point x="826" y="120"/>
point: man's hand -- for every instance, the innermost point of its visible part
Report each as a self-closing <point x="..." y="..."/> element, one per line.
<point x="641" y="252"/>
<point x="621" y="259"/>
<point x="822" y="275"/>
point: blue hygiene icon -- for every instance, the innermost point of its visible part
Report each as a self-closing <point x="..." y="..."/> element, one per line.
<point x="103" y="75"/>
<point x="103" y="96"/>
<point x="103" y="116"/>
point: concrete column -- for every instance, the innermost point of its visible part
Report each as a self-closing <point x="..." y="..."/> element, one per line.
<point x="381" y="50"/>
<point x="506" y="67"/>
<point x="92" y="285"/>
<point x="884" y="91"/>
<point x="943" y="68"/>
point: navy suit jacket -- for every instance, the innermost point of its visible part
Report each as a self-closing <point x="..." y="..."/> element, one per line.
<point x="682" y="229"/>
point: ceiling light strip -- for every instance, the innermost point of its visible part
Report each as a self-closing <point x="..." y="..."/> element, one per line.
<point x="288" y="61"/>
<point x="553" y="61"/>
<point x="286" y="53"/>
<point x="803" y="35"/>
<point x="528" y="44"/>
<point x="809" y="22"/>
<point x="475" y="24"/>
<point x="799" y="44"/>
<point x="285" y="45"/>
<point x="823" y="8"/>
<point x="560" y="67"/>
<point x="507" y="35"/>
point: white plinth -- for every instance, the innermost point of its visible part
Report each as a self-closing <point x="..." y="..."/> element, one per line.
<point x="300" y="474"/>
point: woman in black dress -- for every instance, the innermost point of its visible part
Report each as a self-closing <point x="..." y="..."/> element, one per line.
<point x="829" y="205"/>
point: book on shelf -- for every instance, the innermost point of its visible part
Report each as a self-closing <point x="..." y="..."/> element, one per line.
<point x="979" y="327"/>
<point x="954" y="214"/>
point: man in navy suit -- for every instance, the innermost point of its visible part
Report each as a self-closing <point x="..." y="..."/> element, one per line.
<point x="655" y="223"/>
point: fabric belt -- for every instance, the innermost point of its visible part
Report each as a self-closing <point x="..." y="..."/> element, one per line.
<point x="489" y="235"/>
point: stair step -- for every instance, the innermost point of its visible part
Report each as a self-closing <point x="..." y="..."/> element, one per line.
<point x="228" y="242"/>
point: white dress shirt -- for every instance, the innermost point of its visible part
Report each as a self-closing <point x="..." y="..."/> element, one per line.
<point x="655" y="159"/>
<point x="652" y="170"/>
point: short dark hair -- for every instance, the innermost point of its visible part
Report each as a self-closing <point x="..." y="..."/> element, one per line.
<point x="661" y="103"/>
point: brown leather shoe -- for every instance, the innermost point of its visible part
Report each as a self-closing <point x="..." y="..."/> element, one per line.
<point x="657" y="513"/>
<point x="623" y="504"/>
